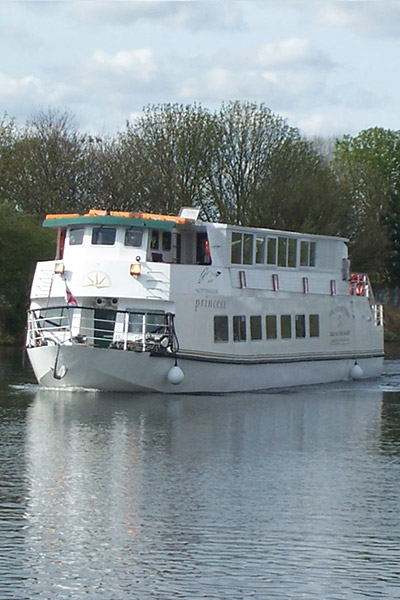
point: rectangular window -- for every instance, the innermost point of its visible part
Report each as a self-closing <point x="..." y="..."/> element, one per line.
<point x="271" y="327"/>
<point x="166" y="240"/>
<point x="236" y="248"/>
<point x="286" y="326"/>
<point x="239" y="328"/>
<point x="154" y="241"/>
<point x="76" y="236"/>
<point x="313" y="254"/>
<point x="221" y="332"/>
<point x="304" y="252"/>
<point x="292" y="253"/>
<point x="260" y="250"/>
<point x="306" y="287"/>
<point x="133" y="237"/>
<point x="282" y="251"/>
<point x="248" y="249"/>
<point x="271" y="251"/>
<point x="255" y="328"/>
<point x="300" y="326"/>
<point x="275" y="282"/>
<point x="242" y="279"/>
<point x="104" y="236"/>
<point x="308" y="254"/>
<point x="314" y="325"/>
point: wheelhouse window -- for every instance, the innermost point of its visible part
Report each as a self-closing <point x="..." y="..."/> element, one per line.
<point x="154" y="240"/>
<point x="76" y="236"/>
<point x="166" y="240"/>
<point x="104" y="236"/>
<point x="239" y="328"/>
<point x="133" y="238"/>
<point x="221" y="330"/>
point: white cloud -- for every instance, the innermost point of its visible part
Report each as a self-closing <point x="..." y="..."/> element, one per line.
<point x="368" y="17"/>
<point x="13" y="89"/>
<point x="291" y="53"/>
<point x="120" y="70"/>
<point x="194" y="15"/>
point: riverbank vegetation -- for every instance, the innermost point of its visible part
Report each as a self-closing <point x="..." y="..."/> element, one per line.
<point x="241" y="164"/>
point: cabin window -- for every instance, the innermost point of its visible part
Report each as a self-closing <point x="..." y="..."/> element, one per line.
<point x="255" y="328"/>
<point x="260" y="250"/>
<point x="282" y="250"/>
<point x="239" y="328"/>
<point x="104" y="236"/>
<point x="271" y="327"/>
<point x="286" y="326"/>
<point x="307" y="253"/>
<point x="221" y="330"/>
<point x="248" y="249"/>
<point x="236" y="248"/>
<point x="313" y="252"/>
<point x="287" y="252"/>
<point x="300" y="326"/>
<point x="242" y="248"/>
<point x="133" y="237"/>
<point x="314" y="325"/>
<point x="292" y="252"/>
<point x="76" y="236"/>
<point x="271" y="251"/>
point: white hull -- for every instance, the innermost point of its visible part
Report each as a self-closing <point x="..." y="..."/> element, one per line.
<point x="104" y="369"/>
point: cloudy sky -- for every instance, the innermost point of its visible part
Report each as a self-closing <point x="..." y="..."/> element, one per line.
<point x="329" y="67"/>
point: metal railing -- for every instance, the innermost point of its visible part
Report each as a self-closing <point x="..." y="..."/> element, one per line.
<point x="141" y="331"/>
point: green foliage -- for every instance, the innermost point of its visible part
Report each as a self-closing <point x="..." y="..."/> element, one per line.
<point x="368" y="166"/>
<point x="22" y="243"/>
<point x="241" y="164"/>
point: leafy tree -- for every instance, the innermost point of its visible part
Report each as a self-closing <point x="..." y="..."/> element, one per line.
<point x="368" y="166"/>
<point x="22" y="244"/>
<point x="170" y="145"/>
<point x="47" y="170"/>
<point x="265" y="174"/>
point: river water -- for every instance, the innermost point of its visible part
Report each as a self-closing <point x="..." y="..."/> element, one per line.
<point x="290" y="495"/>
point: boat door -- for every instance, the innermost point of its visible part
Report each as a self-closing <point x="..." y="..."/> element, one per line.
<point x="104" y="323"/>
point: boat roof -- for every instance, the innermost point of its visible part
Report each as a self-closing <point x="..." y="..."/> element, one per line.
<point x="157" y="221"/>
<point x="112" y="217"/>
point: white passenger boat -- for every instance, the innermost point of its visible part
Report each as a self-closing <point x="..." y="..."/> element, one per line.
<point x="144" y="302"/>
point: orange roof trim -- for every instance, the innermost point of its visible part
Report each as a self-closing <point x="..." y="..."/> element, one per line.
<point x="128" y="215"/>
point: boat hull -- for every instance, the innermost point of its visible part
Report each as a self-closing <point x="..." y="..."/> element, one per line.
<point x="103" y="369"/>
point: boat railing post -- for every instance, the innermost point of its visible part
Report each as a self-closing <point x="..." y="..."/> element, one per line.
<point x="126" y="327"/>
<point x="144" y="332"/>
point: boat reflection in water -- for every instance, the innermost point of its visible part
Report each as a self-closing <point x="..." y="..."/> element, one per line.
<point x="285" y="495"/>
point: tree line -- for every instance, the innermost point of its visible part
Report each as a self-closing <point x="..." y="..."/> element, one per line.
<point x="241" y="164"/>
